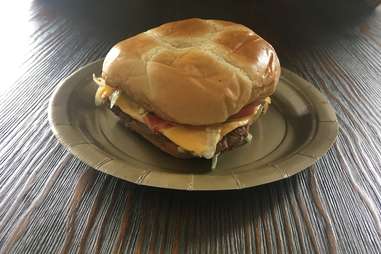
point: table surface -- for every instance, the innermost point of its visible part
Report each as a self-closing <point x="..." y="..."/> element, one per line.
<point x="50" y="202"/>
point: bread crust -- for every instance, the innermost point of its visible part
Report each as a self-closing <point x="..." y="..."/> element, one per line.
<point x="194" y="71"/>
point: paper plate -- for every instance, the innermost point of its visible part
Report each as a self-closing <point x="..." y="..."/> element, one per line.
<point x="299" y="127"/>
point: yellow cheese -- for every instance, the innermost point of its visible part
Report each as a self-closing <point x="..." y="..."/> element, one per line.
<point x="130" y="108"/>
<point x="102" y="93"/>
<point x="200" y="140"/>
<point x="122" y="102"/>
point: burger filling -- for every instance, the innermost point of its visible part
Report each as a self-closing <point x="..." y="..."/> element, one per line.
<point x="235" y="138"/>
<point x="201" y="141"/>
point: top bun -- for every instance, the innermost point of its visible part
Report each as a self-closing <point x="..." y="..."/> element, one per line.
<point x="194" y="71"/>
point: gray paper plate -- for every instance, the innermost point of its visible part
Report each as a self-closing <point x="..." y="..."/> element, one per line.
<point x="299" y="128"/>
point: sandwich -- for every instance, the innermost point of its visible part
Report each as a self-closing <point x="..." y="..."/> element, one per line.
<point x="192" y="87"/>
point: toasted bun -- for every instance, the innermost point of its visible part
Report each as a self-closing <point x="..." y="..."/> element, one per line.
<point x="194" y="71"/>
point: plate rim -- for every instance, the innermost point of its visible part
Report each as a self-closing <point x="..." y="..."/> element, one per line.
<point x="305" y="157"/>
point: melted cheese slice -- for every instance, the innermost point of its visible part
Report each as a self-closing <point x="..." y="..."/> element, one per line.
<point x="199" y="140"/>
<point x="202" y="141"/>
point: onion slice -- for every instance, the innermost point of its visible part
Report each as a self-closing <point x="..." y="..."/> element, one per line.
<point x="114" y="97"/>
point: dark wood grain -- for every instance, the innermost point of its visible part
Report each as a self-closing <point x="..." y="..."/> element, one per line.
<point x="50" y="202"/>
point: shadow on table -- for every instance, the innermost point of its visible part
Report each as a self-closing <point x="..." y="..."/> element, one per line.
<point x="287" y="23"/>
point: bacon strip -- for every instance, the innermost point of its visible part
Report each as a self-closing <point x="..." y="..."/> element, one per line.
<point x="246" y="110"/>
<point x="155" y="123"/>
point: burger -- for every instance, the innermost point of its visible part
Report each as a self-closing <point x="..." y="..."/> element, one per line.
<point x="191" y="87"/>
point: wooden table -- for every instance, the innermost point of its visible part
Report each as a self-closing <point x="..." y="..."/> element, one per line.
<point x="51" y="202"/>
